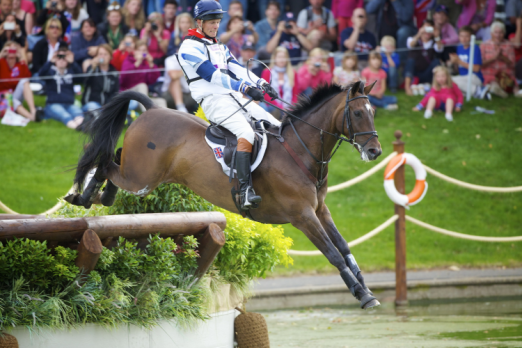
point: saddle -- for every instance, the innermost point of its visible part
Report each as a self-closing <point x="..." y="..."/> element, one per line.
<point x="222" y="136"/>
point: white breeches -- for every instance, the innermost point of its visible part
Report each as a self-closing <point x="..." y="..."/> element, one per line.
<point x="218" y="107"/>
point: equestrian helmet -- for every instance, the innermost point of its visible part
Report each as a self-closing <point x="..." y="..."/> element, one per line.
<point x="207" y="10"/>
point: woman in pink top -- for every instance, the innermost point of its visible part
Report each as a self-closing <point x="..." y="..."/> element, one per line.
<point x="283" y="78"/>
<point x="478" y="14"/>
<point x="448" y="34"/>
<point x="444" y="95"/>
<point x="374" y="73"/>
<point x="314" y="72"/>
<point x="343" y="10"/>
<point x="157" y="38"/>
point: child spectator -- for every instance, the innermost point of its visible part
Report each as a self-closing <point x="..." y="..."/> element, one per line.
<point x="75" y="14"/>
<point x="343" y="11"/>
<point x="460" y="61"/>
<point x="59" y="90"/>
<point x="390" y="62"/>
<point x="113" y="29"/>
<point x="101" y="84"/>
<point x="283" y="78"/>
<point x="314" y="72"/>
<point x="374" y="72"/>
<point x="157" y="38"/>
<point x="85" y="46"/>
<point x="134" y="16"/>
<point x="126" y="48"/>
<point x="444" y="95"/>
<point x="184" y="22"/>
<point x="348" y="72"/>
<point x="13" y="66"/>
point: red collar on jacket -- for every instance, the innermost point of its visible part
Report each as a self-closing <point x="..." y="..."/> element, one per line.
<point x="197" y="34"/>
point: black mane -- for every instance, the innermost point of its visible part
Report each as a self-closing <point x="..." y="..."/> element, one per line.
<point x="305" y="105"/>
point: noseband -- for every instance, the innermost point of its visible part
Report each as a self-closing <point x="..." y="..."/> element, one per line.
<point x="340" y="138"/>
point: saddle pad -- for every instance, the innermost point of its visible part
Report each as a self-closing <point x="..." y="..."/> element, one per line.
<point x="219" y="152"/>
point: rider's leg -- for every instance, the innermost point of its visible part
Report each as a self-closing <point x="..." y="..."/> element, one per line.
<point x="261" y="114"/>
<point x="243" y="154"/>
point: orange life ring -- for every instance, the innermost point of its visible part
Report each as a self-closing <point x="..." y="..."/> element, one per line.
<point x="421" y="186"/>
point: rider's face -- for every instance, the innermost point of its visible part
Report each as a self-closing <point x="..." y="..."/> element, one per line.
<point x="210" y="28"/>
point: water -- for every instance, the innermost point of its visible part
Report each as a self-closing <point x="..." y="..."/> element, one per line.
<point x="464" y="324"/>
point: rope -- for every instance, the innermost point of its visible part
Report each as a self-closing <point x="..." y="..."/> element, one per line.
<point x="53" y="210"/>
<point x="353" y="242"/>
<point x="461" y="235"/>
<point x="364" y="175"/>
<point x="472" y="186"/>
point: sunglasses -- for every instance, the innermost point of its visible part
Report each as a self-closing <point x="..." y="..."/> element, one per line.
<point x="113" y="8"/>
<point x="54" y="27"/>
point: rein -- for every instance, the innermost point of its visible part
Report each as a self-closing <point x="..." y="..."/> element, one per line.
<point x="324" y="163"/>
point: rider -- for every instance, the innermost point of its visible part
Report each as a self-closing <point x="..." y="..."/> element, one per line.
<point x="217" y="81"/>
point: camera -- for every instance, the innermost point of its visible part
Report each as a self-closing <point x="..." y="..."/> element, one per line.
<point x="127" y="43"/>
<point x="9" y="25"/>
<point x="61" y="56"/>
<point x="154" y="26"/>
<point x="144" y="55"/>
<point x="317" y="65"/>
<point x="288" y="26"/>
<point x="429" y="30"/>
<point x="54" y="4"/>
<point x="11" y="50"/>
<point x="245" y="24"/>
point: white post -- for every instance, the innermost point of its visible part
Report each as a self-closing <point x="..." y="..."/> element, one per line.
<point x="470" y="66"/>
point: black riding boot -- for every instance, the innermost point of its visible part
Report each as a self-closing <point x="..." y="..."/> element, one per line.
<point x="248" y="196"/>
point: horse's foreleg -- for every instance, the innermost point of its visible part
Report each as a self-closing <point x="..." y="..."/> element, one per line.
<point x="340" y="243"/>
<point x="90" y="192"/>
<point x="310" y="225"/>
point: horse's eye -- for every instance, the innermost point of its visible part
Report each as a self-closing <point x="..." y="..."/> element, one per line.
<point x="357" y="113"/>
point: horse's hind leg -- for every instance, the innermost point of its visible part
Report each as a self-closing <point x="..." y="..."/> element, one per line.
<point x="90" y="192"/>
<point x="340" y="243"/>
<point x="310" y="225"/>
<point x="110" y="191"/>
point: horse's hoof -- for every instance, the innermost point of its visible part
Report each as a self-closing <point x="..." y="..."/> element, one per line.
<point x="371" y="304"/>
<point x="69" y="198"/>
<point x="74" y="199"/>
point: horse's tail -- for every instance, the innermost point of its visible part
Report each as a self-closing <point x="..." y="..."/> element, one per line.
<point x="104" y="132"/>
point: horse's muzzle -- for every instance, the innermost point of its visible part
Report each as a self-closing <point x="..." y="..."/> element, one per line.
<point x="373" y="153"/>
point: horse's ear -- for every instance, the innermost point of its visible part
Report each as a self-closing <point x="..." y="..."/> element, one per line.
<point x="367" y="89"/>
<point x="355" y="89"/>
<point x="361" y="87"/>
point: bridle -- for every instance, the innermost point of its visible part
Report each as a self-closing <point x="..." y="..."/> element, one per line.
<point x="352" y="136"/>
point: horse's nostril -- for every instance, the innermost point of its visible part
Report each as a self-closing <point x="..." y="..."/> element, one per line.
<point x="374" y="152"/>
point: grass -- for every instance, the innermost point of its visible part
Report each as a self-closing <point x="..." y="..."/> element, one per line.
<point x="477" y="148"/>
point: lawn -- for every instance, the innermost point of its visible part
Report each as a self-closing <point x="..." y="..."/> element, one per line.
<point x="477" y="148"/>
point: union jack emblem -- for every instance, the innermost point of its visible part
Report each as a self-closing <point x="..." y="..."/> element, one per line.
<point x="218" y="152"/>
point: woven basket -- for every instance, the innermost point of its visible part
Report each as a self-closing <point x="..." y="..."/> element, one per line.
<point x="251" y="330"/>
<point x="8" y="341"/>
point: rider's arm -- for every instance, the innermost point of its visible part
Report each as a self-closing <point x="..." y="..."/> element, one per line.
<point x="195" y="57"/>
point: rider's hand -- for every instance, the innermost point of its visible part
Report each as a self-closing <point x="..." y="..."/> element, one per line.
<point x="270" y="91"/>
<point x="255" y="93"/>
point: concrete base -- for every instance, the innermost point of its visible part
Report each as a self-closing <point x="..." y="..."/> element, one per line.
<point x="217" y="332"/>
<point x="426" y="290"/>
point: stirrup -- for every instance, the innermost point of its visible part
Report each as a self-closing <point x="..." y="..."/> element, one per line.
<point x="249" y="199"/>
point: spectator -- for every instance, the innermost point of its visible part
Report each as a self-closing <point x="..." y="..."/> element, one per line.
<point x="348" y="72"/>
<point x="235" y="36"/>
<point x="169" y="15"/>
<point x="423" y="59"/>
<point x="460" y="60"/>
<point x="54" y="9"/>
<point x="75" y="14"/>
<point x="343" y="12"/>
<point x="498" y="62"/>
<point x="44" y="49"/>
<point x="126" y="48"/>
<point x="97" y="9"/>
<point x="314" y="72"/>
<point x="513" y="11"/>
<point x="101" y="82"/>
<point x="390" y="62"/>
<point x="516" y="40"/>
<point x="375" y="73"/>
<point x="318" y="24"/>
<point x="10" y="30"/>
<point x="13" y="66"/>
<point x="235" y="8"/>
<point x="448" y="34"/>
<point x="479" y="15"/>
<point x="288" y="36"/>
<point x="184" y="22"/>
<point x="394" y="18"/>
<point x="26" y="19"/>
<point x="248" y="51"/>
<point x="175" y="88"/>
<point x="454" y="10"/>
<point x="157" y="38"/>
<point x="145" y="72"/>
<point x="113" y="30"/>
<point x="134" y="16"/>
<point x="60" y="90"/>
<point x="267" y="26"/>
<point x="282" y="77"/>
<point x="444" y="95"/>
<point x="357" y="39"/>
<point x="85" y="46"/>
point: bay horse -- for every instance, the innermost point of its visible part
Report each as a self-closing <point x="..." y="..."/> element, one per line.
<point x="168" y="146"/>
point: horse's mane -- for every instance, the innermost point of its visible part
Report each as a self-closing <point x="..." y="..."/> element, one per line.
<point x="305" y="104"/>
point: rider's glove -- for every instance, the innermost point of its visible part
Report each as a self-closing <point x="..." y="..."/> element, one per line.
<point x="255" y="93"/>
<point x="268" y="89"/>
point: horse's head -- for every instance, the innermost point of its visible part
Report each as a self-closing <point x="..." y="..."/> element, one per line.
<point x="355" y="121"/>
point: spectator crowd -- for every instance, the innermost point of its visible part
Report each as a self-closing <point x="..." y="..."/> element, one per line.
<point x="96" y="48"/>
